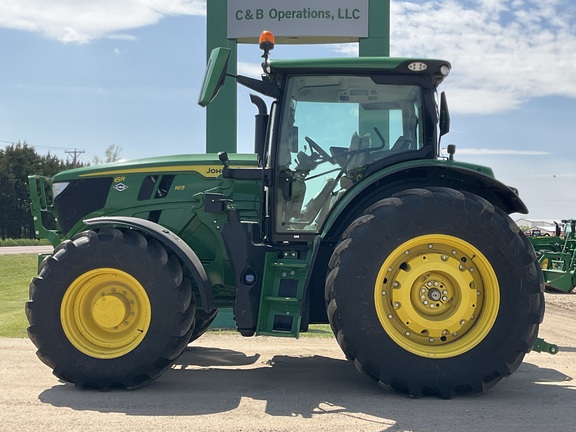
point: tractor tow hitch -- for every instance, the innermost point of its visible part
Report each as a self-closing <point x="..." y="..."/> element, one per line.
<point x="541" y="345"/>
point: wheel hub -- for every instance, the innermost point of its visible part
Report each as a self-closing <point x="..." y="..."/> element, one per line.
<point x="109" y="311"/>
<point x="437" y="296"/>
<point x="105" y="313"/>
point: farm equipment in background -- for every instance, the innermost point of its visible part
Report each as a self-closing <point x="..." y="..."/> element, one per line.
<point x="345" y="214"/>
<point x="557" y="257"/>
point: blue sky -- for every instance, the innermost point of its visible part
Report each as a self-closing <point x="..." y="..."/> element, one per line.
<point x="86" y="75"/>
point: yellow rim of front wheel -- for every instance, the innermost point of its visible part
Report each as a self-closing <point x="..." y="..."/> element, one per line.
<point x="105" y="313"/>
<point x="437" y="296"/>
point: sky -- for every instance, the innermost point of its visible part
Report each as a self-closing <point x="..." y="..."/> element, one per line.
<point x="84" y="75"/>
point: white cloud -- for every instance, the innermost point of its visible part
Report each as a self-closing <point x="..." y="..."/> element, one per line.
<point x="249" y="69"/>
<point x="82" y="21"/>
<point x="503" y="52"/>
<point x="121" y="36"/>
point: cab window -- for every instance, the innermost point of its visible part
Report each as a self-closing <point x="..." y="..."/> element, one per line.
<point x="333" y="128"/>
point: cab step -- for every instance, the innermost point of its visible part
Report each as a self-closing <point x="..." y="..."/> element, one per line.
<point x="282" y="292"/>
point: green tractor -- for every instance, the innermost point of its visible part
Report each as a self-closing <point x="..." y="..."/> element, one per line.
<point x="345" y="214"/>
<point x="557" y="256"/>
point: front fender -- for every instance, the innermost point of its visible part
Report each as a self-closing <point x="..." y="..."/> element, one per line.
<point x="172" y="242"/>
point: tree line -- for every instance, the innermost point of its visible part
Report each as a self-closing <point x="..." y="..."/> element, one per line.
<point x="17" y="162"/>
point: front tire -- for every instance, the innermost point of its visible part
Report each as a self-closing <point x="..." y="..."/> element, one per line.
<point x="202" y="323"/>
<point x="110" y="308"/>
<point x="435" y="291"/>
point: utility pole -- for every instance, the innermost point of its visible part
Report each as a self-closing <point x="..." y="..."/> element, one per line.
<point x="75" y="153"/>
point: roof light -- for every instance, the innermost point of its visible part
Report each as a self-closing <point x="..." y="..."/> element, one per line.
<point x="445" y="70"/>
<point x="267" y="45"/>
<point x="266" y="41"/>
<point x="417" y="66"/>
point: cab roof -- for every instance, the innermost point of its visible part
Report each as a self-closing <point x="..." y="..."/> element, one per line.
<point x="436" y="69"/>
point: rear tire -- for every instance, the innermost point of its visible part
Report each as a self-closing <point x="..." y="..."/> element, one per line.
<point x="435" y="291"/>
<point x="110" y="308"/>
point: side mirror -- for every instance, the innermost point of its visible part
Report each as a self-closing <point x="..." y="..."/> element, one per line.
<point x="215" y="75"/>
<point x="444" y="115"/>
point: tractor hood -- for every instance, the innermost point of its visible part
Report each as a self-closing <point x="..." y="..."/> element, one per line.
<point x="150" y="189"/>
<point x="207" y="165"/>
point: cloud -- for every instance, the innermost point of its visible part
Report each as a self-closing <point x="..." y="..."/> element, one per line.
<point x="86" y="20"/>
<point x="250" y="69"/>
<point x="121" y="36"/>
<point x="503" y="52"/>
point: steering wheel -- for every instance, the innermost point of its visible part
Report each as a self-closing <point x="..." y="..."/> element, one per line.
<point x="319" y="150"/>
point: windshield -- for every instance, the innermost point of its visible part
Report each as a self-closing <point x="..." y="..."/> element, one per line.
<point x="333" y="128"/>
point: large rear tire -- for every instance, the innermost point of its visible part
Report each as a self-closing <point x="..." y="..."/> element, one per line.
<point x="110" y="308"/>
<point x="435" y="291"/>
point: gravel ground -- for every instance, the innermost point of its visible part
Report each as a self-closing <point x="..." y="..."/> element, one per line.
<point x="230" y="383"/>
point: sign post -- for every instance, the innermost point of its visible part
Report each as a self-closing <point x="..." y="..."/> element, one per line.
<point x="295" y="22"/>
<point x="221" y="118"/>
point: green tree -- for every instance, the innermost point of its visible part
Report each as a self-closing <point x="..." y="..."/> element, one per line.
<point x="17" y="162"/>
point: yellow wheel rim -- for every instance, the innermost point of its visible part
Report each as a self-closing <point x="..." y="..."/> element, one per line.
<point x="437" y="296"/>
<point x="105" y="313"/>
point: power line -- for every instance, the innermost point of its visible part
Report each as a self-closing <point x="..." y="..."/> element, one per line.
<point x="33" y="145"/>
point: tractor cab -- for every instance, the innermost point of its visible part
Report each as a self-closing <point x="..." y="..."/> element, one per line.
<point x="332" y="124"/>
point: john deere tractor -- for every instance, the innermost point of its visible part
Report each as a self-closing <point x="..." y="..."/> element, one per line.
<point x="346" y="213"/>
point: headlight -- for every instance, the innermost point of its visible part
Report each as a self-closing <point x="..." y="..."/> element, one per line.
<point x="58" y="188"/>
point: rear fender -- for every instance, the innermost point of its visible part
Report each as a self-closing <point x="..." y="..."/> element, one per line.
<point x="172" y="242"/>
<point x="386" y="182"/>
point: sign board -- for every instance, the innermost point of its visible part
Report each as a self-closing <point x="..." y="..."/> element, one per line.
<point x="298" y="21"/>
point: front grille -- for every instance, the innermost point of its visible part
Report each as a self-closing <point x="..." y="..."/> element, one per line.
<point x="81" y="198"/>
